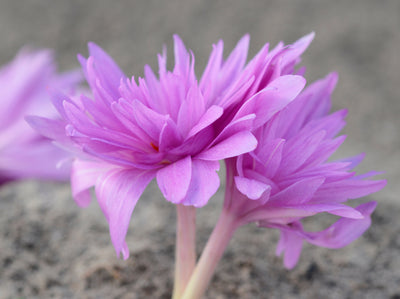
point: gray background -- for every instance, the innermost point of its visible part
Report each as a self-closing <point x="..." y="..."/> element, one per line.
<point x="38" y="221"/>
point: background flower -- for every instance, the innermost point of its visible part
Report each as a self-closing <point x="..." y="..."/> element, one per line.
<point x="24" y="84"/>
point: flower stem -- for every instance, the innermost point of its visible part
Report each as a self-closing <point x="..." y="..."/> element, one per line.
<point x="211" y="255"/>
<point x="185" y="251"/>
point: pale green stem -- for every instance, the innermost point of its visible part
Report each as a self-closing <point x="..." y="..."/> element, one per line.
<point x="185" y="250"/>
<point x="211" y="255"/>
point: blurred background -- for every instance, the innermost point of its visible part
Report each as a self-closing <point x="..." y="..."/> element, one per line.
<point x="49" y="247"/>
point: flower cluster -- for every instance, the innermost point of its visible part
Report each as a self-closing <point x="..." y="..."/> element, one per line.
<point x="275" y="136"/>
<point x="174" y="128"/>
<point x="23" y="90"/>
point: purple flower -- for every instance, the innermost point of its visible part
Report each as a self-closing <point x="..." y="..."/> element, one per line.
<point x="173" y="127"/>
<point x="287" y="177"/>
<point x="23" y="90"/>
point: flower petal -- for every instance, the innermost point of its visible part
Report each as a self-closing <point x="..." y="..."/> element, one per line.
<point x="84" y="174"/>
<point x="174" y="179"/>
<point x="291" y="244"/>
<point x="210" y="116"/>
<point x="235" y="145"/>
<point x="272" y="99"/>
<point x="298" y="193"/>
<point x="117" y="192"/>
<point x="253" y="189"/>
<point x="204" y="183"/>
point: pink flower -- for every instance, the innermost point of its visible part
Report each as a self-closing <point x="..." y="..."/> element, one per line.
<point x="287" y="177"/>
<point x="173" y="127"/>
<point x="23" y="90"/>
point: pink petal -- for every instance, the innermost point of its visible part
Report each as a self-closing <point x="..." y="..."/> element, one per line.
<point x="149" y="120"/>
<point x="191" y="110"/>
<point x="253" y="189"/>
<point x="204" y="183"/>
<point x="53" y="129"/>
<point x="272" y="99"/>
<point x="344" y="231"/>
<point x="235" y="145"/>
<point x="84" y="174"/>
<point x="349" y="189"/>
<point x="182" y="57"/>
<point x="174" y="179"/>
<point x="117" y="192"/>
<point x="106" y="69"/>
<point x="209" y="117"/>
<point x="298" y="193"/>
<point x="244" y="123"/>
<point x="291" y="244"/>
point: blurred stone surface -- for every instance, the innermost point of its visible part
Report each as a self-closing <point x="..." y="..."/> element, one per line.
<point x="49" y="248"/>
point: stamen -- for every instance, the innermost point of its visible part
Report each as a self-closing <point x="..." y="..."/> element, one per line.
<point x="154" y="146"/>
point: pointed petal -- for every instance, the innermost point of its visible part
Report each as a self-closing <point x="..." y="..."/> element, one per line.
<point x="349" y="189"/>
<point x="182" y="57"/>
<point x="107" y="70"/>
<point x="53" y="129"/>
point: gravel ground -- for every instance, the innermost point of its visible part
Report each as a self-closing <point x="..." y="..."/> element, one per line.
<point x="50" y="248"/>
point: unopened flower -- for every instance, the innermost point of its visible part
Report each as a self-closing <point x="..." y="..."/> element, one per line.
<point x="173" y="127"/>
<point x="288" y="176"/>
<point x="24" y="84"/>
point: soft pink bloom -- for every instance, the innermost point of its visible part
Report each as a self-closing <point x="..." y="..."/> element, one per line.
<point x="288" y="176"/>
<point x="23" y="91"/>
<point x="172" y="127"/>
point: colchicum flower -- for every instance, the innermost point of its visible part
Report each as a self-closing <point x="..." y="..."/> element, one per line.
<point x="172" y="127"/>
<point x="287" y="177"/>
<point x="24" y="84"/>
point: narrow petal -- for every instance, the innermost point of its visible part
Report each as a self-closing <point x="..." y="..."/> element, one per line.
<point x="182" y="57"/>
<point x="349" y="189"/>
<point x="344" y="231"/>
<point x="53" y="129"/>
<point x="106" y="69"/>
<point x="291" y="244"/>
